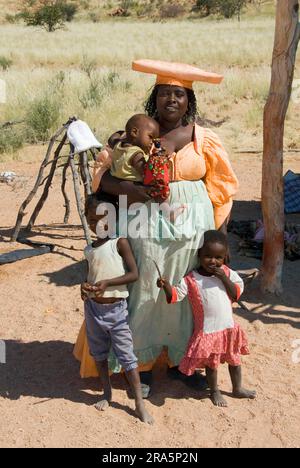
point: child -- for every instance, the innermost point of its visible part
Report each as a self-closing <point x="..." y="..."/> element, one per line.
<point x="105" y="305"/>
<point x="211" y="289"/>
<point x="139" y="157"/>
<point x="132" y="153"/>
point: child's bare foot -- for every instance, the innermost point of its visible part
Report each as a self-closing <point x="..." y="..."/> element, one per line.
<point x="143" y="414"/>
<point x="244" y="393"/>
<point x="103" y="403"/>
<point x="217" y="399"/>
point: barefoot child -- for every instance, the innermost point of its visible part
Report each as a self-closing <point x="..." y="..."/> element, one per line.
<point x="211" y="289"/>
<point x="105" y="305"/>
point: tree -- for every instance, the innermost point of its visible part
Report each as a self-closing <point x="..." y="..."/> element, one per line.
<point x="230" y="8"/>
<point x="50" y="14"/>
<point x="287" y="35"/>
<point x="226" y="8"/>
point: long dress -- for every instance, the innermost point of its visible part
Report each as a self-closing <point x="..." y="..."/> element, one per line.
<point x="173" y="246"/>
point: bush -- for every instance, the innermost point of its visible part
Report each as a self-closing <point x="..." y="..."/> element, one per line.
<point x="230" y="8"/>
<point x="50" y="14"/>
<point x="171" y="11"/>
<point x="93" y="96"/>
<point x="11" y="140"/>
<point x="69" y="10"/>
<point x="5" y="62"/>
<point x="226" y="8"/>
<point x="41" y="118"/>
<point x="206" y="7"/>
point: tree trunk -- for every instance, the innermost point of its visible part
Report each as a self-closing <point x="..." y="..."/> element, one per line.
<point x="287" y="33"/>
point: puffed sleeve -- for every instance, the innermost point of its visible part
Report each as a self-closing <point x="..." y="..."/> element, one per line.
<point x="102" y="164"/>
<point x="220" y="180"/>
<point x="179" y="292"/>
<point x="238" y="282"/>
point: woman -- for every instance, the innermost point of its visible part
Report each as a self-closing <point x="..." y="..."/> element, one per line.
<point x="202" y="179"/>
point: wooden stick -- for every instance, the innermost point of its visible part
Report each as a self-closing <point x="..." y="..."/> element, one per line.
<point x="45" y="193"/>
<point x="94" y="154"/>
<point x="63" y="189"/>
<point x="85" y="174"/>
<point x="21" y="212"/>
<point x="78" y="198"/>
<point x="261" y="151"/>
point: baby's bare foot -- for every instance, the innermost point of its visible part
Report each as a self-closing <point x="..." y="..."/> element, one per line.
<point x="103" y="403"/>
<point x="217" y="399"/>
<point x="177" y="212"/>
<point x="244" y="393"/>
<point x="143" y="414"/>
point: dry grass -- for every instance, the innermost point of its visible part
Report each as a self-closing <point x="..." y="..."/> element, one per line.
<point x="57" y="65"/>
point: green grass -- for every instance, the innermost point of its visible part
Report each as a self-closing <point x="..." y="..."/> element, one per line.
<point x="85" y="71"/>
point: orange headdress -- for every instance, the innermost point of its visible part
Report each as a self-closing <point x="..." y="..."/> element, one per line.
<point x="176" y="74"/>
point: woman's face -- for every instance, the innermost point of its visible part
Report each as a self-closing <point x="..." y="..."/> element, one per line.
<point x="171" y="103"/>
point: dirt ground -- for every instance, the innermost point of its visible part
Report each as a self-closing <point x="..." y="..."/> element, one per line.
<point x="43" y="401"/>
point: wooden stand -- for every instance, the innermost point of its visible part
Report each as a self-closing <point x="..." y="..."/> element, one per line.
<point x="82" y="174"/>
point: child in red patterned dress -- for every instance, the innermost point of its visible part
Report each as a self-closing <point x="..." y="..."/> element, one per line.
<point x="211" y="289"/>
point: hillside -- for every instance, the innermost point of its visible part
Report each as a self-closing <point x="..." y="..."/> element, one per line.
<point x="99" y="10"/>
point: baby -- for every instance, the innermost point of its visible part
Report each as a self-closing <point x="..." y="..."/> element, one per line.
<point x="139" y="157"/>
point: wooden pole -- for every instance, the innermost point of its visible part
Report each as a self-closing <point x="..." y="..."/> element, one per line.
<point x="45" y="193"/>
<point x="78" y="198"/>
<point x="63" y="189"/>
<point x="287" y="33"/>
<point x="21" y="212"/>
<point x="85" y="174"/>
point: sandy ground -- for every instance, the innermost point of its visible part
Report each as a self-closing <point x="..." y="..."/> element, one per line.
<point x="44" y="403"/>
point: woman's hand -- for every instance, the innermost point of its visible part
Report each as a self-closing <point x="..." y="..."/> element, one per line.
<point x="136" y="193"/>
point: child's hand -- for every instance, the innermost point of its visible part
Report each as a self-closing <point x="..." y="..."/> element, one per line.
<point x="100" y="288"/>
<point x="84" y="288"/>
<point x="161" y="282"/>
<point x="219" y="273"/>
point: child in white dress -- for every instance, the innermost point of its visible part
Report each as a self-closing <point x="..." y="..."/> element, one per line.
<point x="211" y="289"/>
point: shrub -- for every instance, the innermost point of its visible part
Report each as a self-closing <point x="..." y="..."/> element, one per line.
<point x="11" y="139"/>
<point x="5" y="62"/>
<point x="230" y="8"/>
<point x="88" y="65"/>
<point x="171" y="10"/>
<point x="41" y="117"/>
<point x="93" y="96"/>
<point x="10" y="18"/>
<point x="50" y="14"/>
<point x="206" y="7"/>
<point x="69" y="10"/>
<point x="226" y="8"/>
